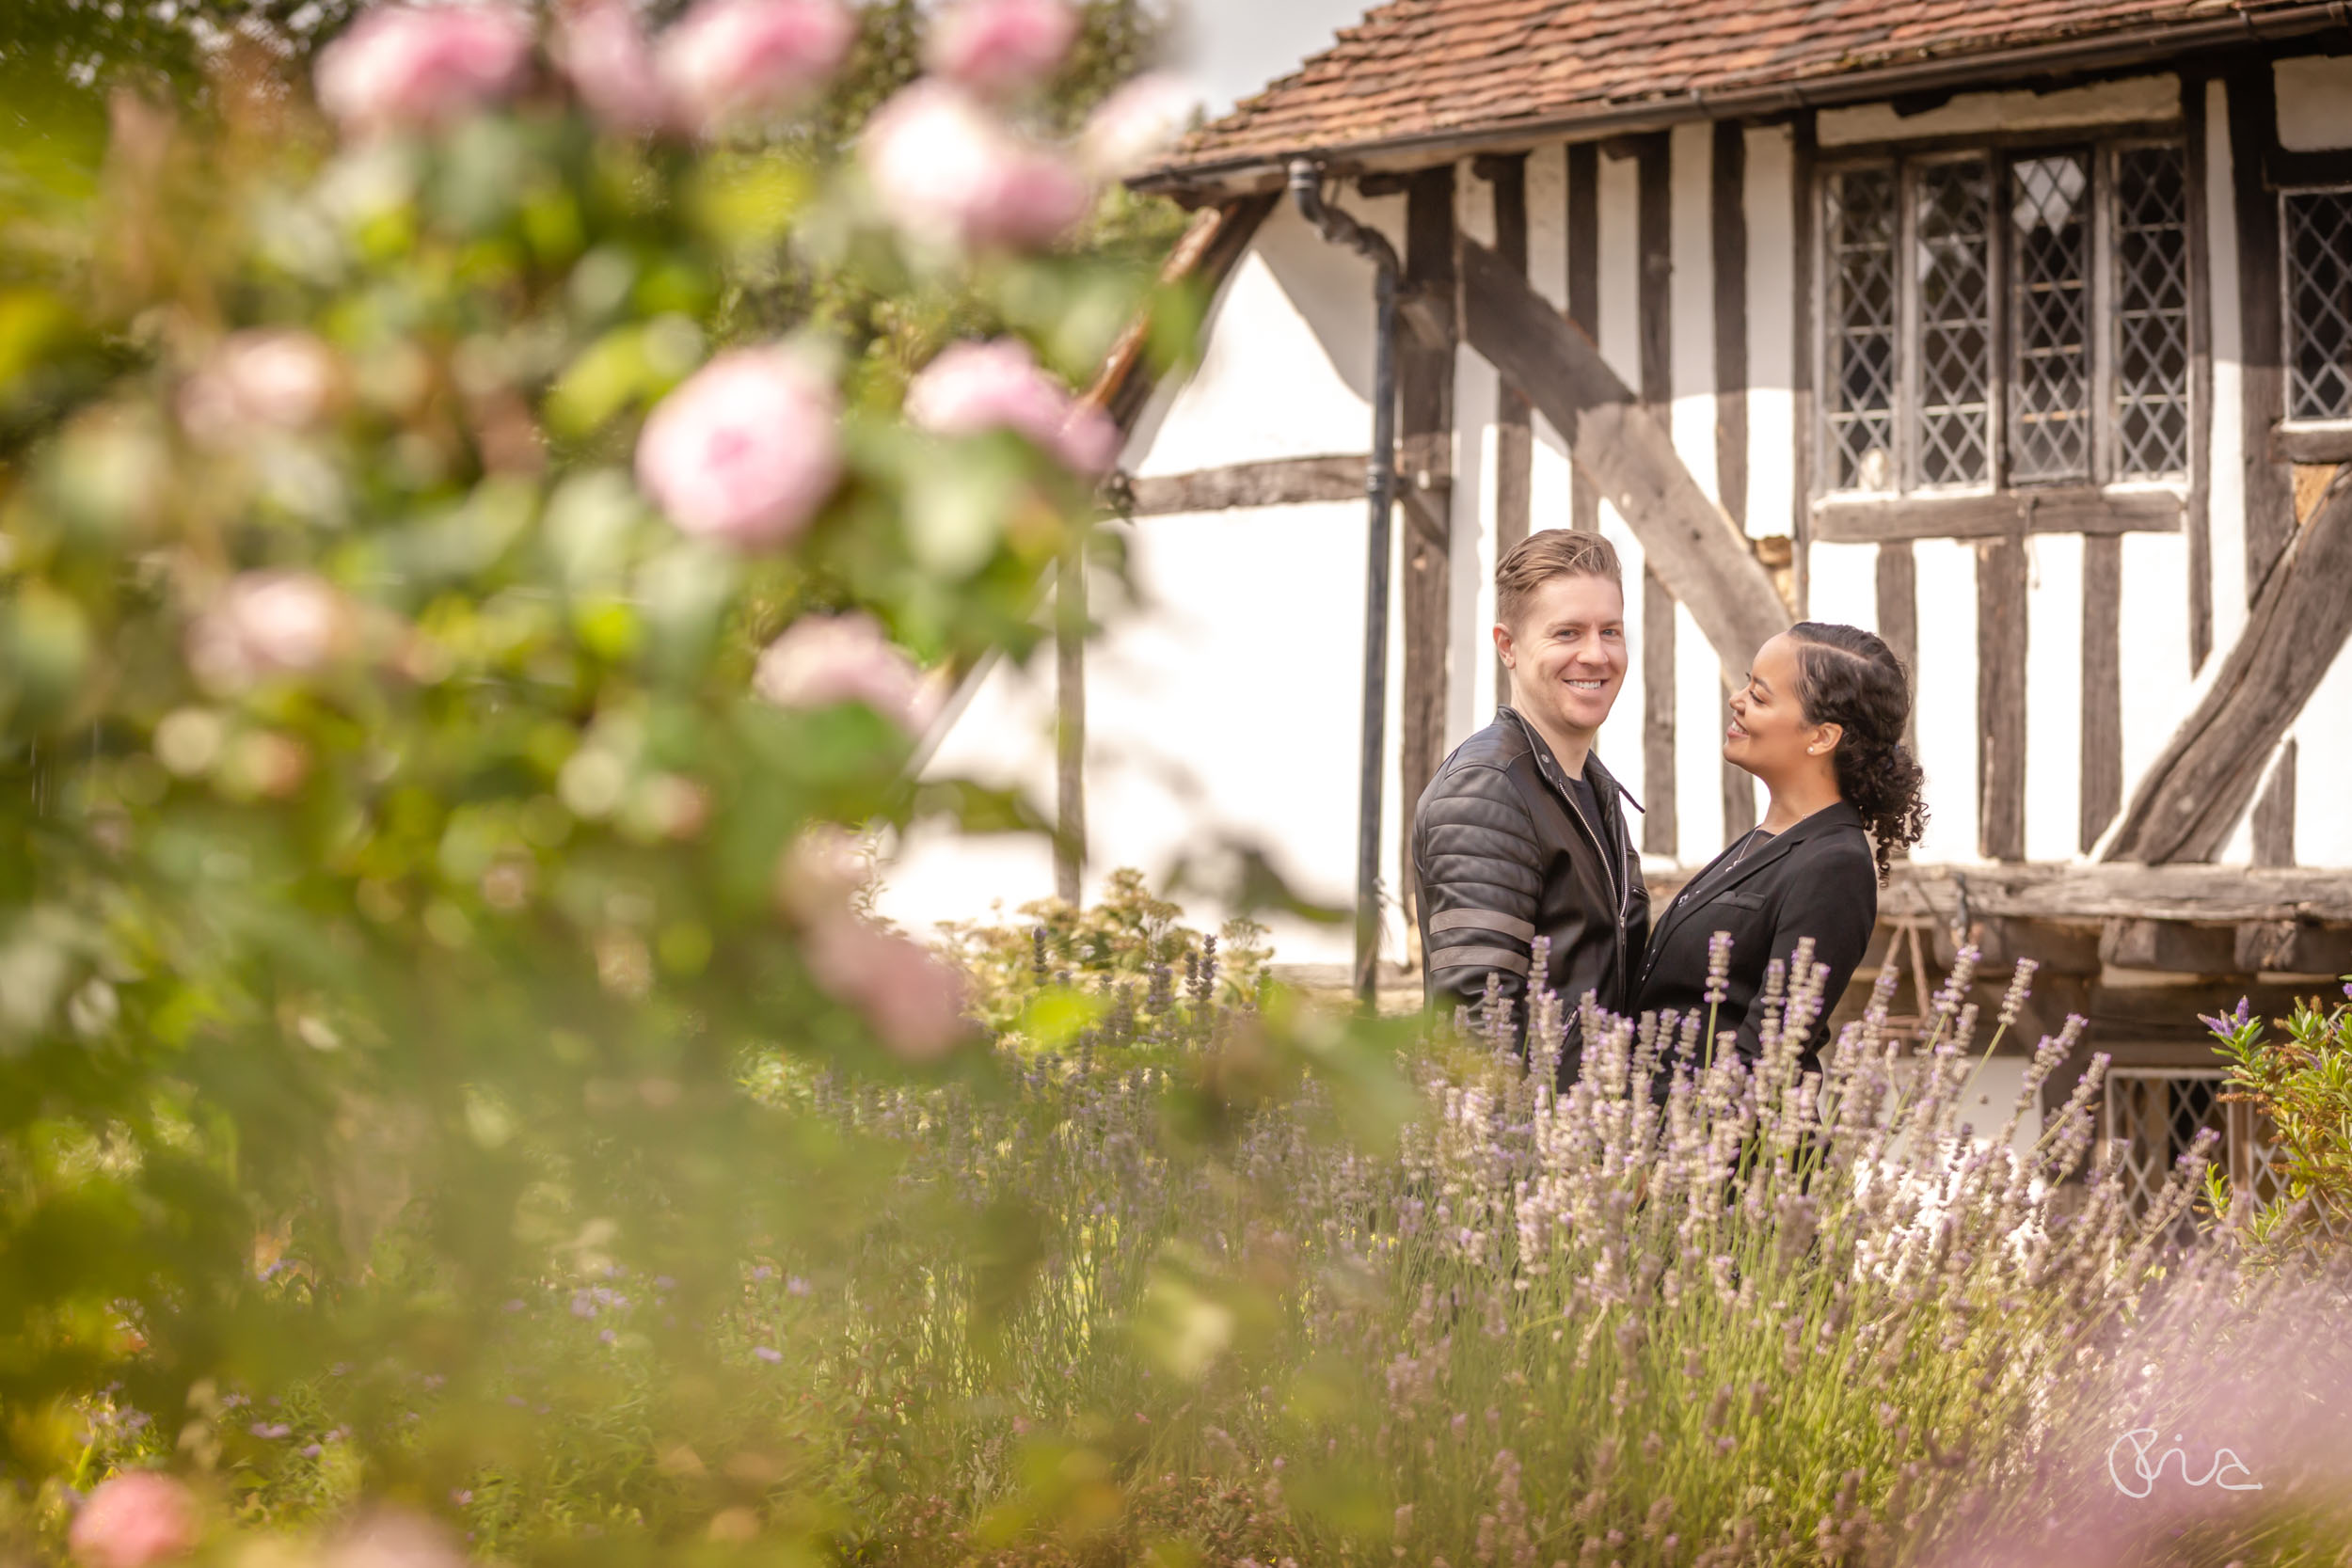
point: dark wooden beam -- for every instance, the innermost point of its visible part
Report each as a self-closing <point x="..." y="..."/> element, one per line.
<point x="2191" y="799"/>
<point x="2311" y="444"/>
<point x="1654" y="236"/>
<point x="2111" y="890"/>
<point x="1899" y="618"/>
<point x="1585" y="297"/>
<point x="1425" y="455"/>
<point x="1728" y="218"/>
<point x="2072" y="510"/>
<point x="1658" y="826"/>
<point x="1070" y="725"/>
<point x="2175" y="946"/>
<point x="2274" y="813"/>
<point x="1278" y="482"/>
<point x="2293" y="947"/>
<point x="1515" y="426"/>
<point x="2103" y="688"/>
<point x="2269" y="485"/>
<point x="2001" y="699"/>
<point x="1625" y="450"/>
<point x="2198" y="517"/>
<point x="1801" y="361"/>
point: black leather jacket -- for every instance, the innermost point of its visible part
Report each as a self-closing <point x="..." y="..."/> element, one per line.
<point x="1505" y="854"/>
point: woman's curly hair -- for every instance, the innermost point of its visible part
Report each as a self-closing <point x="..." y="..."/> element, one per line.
<point x="1850" y="677"/>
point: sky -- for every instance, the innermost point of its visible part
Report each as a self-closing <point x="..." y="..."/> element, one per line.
<point x="1232" y="48"/>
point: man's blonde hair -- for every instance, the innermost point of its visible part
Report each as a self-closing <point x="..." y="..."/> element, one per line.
<point x="1555" y="552"/>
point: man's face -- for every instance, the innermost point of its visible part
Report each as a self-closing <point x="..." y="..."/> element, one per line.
<point x="1567" y="654"/>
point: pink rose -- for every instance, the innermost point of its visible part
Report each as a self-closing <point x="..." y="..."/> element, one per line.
<point x="265" y="624"/>
<point x="1133" y="125"/>
<point x="135" y="1518"/>
<point x="999" y="386"/>
<point x="914" y="1001"/>
<point x="408" y="68"/>
<point x="1001" y="46"/>
<point x="949" y="173"/>
<point x="746" y="451"/>
<point x="733" y="60"/>
<point x="823" y="660"/>
<point x="606" y="57"/>
<point x="272" y="380"/>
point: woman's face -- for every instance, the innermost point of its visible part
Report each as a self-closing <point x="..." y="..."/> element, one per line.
<point x="1767" y="735"/>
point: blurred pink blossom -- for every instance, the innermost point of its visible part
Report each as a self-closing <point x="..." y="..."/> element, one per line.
<point x="269" y="622"/>
<point x="132" y="1519"/>
<point x="260" y="378"/>
<point x="1001" y="46"/>
<point x="1133" y="125"/>
<point x="395" y="1538"/>
<point x="604" y="52"/>
<point x="730" y="60"/>
<point x="746" y="451"/>
<point x="949" y="172"/>
<point x="823" y="660"/>
<point x="914" y="1001"/>
<point x="999" y="386"/>
<point x="819" y="871"/>
<point x="406" y="68"/>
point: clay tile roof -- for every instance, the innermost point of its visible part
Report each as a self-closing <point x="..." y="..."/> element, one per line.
<point x="1417" y="69"/>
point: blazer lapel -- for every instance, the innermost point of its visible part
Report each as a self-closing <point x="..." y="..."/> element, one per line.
<point x="1828" y="816"/>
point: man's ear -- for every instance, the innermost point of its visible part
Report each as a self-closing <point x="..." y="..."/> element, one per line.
<point x="1503" y="643"/>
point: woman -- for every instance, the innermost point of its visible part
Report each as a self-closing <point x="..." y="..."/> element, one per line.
<point x="1821" y="722"/>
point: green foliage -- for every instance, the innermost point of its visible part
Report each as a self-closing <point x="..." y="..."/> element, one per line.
<point x="2300" y="1088"/>
<point x="1128" y="947"/>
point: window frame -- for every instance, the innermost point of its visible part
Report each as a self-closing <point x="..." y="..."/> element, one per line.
<point x="2288" y="425"/>
<point x="2001" y="150"/>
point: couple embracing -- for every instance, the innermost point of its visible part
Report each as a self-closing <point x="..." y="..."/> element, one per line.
<point x="1523" y="833"/>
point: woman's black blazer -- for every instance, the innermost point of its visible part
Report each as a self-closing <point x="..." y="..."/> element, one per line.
<point x="1815" y="879"/>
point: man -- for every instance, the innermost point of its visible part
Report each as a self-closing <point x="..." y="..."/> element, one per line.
<point x="1521" y="834"/>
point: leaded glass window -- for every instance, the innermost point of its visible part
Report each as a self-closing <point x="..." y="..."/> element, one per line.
<point x="1860" y="401"/>
<point x="2049" y="425"/>
<point x="1953" y="200"/>
<point x="2151" y="313"/>
<point x="2003" y="318"/>
<point x="2319" y="304"/>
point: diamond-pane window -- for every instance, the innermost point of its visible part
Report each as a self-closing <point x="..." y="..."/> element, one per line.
<point x="2049" y="403"/>
<point x="2151" y="313"/>
<point x="1952" y="202"/>
<point x="1860" y="394"/>
<point x="2319" y="304"/>
<point x="2152" y="1119"/>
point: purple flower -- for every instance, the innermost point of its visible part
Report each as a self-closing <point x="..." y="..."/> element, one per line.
<point x="797" y="1286"/>
<point x="271" y="1430"/>
<point x="310" y="1451"/>
<point x="663" y="1282"/>
<point x="763" y="1272"/>
<point x="608" y="1337"/>
<point x="461" y="1497"/>
<point x="767" y="1354"/>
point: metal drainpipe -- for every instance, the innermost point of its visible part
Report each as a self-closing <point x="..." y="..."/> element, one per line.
<point x="1305" y="184"/>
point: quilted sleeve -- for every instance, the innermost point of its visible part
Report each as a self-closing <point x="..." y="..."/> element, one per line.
<point x="1481" y="873"/>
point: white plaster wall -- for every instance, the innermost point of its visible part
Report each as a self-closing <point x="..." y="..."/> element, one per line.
<point x="1470" y="693"/>
<point x="1845" y="584"/>
<point x="2314" y="102"/>
<point x="1699" y="714"/>
<point x="2323" y="828"/>
<point x="2159" y="688"/>
<point x="1946" y="696"/>
<point x="1227" y="710"/>
<point x="1550" y="475"/>
<point x="2226" y="507"/>
<point x="2054" y="695"/>
<point x="2141" y="98"/>
<point x="1769" y="204"/>
<point x="1618" y="212"/>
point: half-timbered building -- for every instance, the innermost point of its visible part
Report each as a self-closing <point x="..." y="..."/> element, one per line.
<point x="2019" y="332"/>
